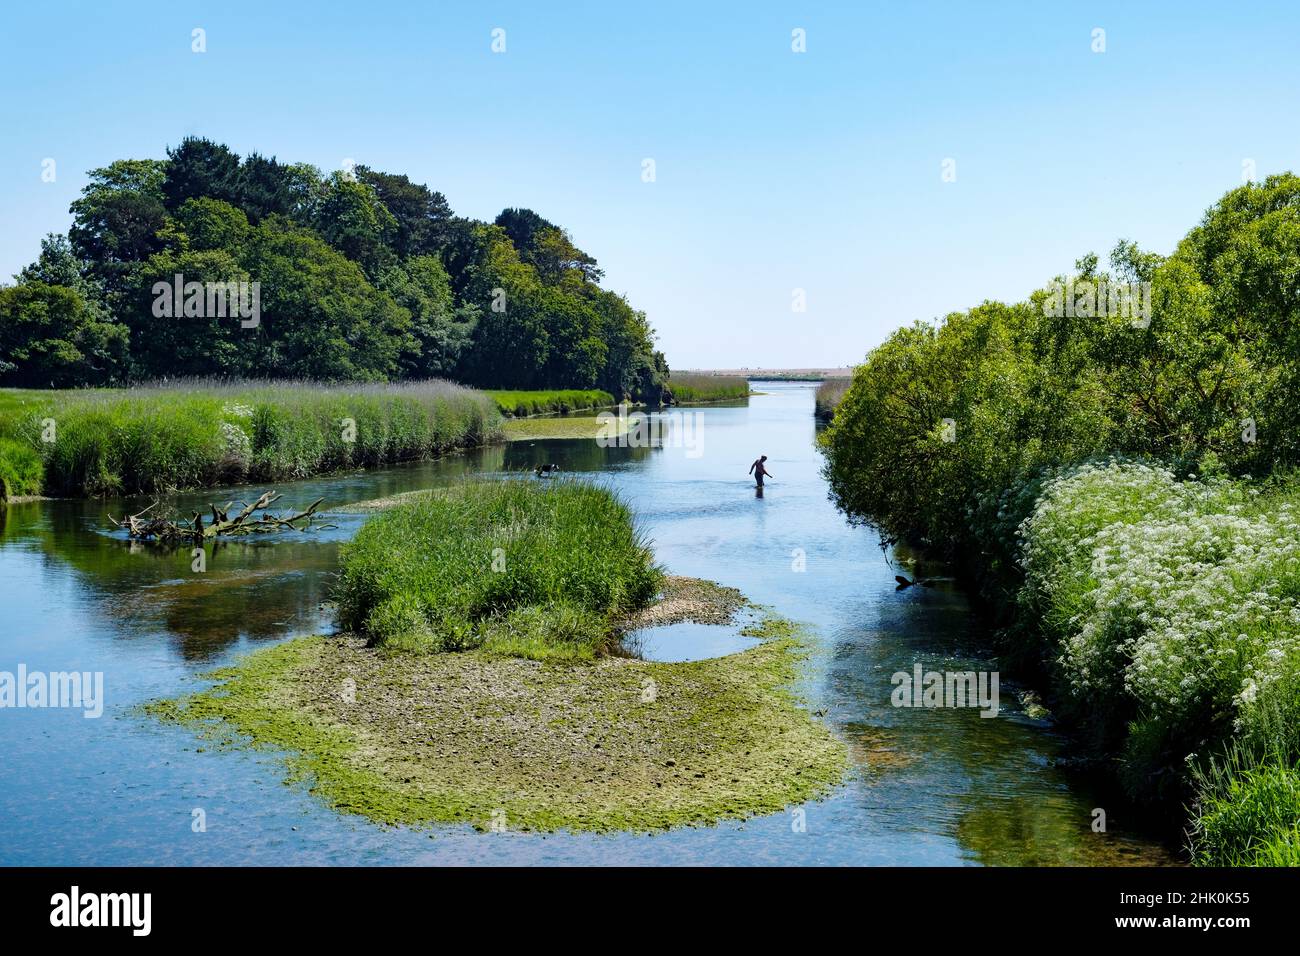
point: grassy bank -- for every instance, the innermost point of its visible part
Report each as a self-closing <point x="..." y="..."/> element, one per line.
<point x="687" y="388"/>
<point x="518" y="404"/>
<point x="22" y="472"/>
<point x="536" y="722"/>
<point x="541" y="570"/>
<point x="199" y="434"/>
<point x="829" y="395"/>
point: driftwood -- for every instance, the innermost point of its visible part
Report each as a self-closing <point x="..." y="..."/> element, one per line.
<point x="251" y="519"/>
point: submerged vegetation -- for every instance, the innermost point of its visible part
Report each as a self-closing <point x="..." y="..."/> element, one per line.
<point x="1118" y="481"/>
<point x="200" y="433"/>
<point x="541" y="570"/>
<point x="504" y="743"/>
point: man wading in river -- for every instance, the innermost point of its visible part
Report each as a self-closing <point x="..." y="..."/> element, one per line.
<point x="758" y="470"/>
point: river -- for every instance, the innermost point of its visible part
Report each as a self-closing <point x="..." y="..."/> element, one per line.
<point x="930" y="786"/>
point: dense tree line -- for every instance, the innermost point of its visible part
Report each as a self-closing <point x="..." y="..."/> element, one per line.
<point x="942" y="417"/>
<point x="363" y="275"/>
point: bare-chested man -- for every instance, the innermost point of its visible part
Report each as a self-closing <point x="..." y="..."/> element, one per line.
<point x="758" y="470"/>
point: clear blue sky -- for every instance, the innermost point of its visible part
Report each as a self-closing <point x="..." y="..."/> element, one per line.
<point x="775" y="170"/>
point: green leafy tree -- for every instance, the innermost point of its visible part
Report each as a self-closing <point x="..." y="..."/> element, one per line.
<point x="422" y="216"/>
<point x="117" y="218"/>
<point x="199" y="168"/>
<point x="264" y="187"/>
<point x="51" y="338"/>
<point x="321" y="317"/>
<point x="351" y="218"/>
<point x="443" y="331"/>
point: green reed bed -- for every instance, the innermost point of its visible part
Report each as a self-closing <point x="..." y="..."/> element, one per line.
<point x="829" y="394"/>
<point x="689" y="388"/>
<point x="22" y="473"/>
<point x="519" y="403"/>
<point x="198" y="433"/>
<point x="529" y="568"/>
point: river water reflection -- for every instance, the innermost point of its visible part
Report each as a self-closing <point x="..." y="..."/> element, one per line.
<point x="929" y="786"/>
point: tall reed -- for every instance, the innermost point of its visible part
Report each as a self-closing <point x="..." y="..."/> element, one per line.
<point x="199" y="433"/>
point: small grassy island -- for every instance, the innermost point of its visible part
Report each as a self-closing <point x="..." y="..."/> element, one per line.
<point x="481" y="678"/>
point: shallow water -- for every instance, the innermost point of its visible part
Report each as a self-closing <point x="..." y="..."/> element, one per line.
<point x="688" y="641"/>
<point x="929" y="786"/>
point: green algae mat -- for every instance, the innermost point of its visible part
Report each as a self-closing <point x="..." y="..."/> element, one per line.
<point x="506" y="743"/>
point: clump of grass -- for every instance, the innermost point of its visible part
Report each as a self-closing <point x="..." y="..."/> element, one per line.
<point x="688" y="388"/>
<point x="1247" y="815"/>
<point x="829" y="394"/>
<point x="519" y="403"/>
<point x="194" y="434"/>
<point x="1247" y="806"/>
<point x="526" y="568"/>
<point x="21" y="471"/>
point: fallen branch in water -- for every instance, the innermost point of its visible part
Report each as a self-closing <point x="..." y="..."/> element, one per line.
<point x="144" y="527"/>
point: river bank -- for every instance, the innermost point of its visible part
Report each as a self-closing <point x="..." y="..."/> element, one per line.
<point x="200" y="434"/>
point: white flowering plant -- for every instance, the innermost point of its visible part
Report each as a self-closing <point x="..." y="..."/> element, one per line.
<point x="1168" y="603"/>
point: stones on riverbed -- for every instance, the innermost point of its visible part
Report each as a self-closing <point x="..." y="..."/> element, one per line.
<point x="689" y="599"/>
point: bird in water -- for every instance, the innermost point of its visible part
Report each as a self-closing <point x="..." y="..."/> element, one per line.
<point x="543" y="471"/>
<point x="905" y="583"/>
